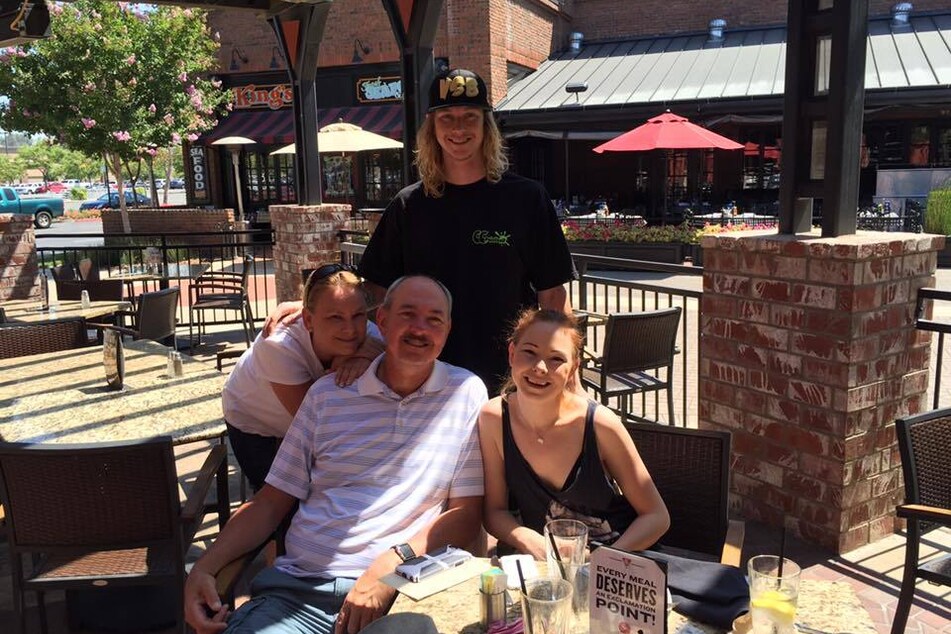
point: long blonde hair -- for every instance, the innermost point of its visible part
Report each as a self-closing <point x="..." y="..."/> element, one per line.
<point x="429" y="160"/>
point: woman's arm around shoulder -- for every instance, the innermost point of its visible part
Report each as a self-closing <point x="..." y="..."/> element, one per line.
<point x="498" y="520"/>
<point x="624" y="464"/>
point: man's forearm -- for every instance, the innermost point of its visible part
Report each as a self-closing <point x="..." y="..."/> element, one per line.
<point x="457" y="525"/>
<point x="249" y="527"/>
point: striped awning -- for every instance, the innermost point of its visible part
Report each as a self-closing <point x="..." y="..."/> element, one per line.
<point x="276" y="127"/>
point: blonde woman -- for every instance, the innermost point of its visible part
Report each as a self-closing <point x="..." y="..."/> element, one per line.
<point x="271" y="378"/>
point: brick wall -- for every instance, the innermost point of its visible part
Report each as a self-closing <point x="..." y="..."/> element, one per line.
<point x="165" y="219"/>
<point x="609" y="19"/>
<point x="18" y="263"/>
<point x="304" y="238"/>
<point x="481" y="35"/>
<point x="808" y="353"/>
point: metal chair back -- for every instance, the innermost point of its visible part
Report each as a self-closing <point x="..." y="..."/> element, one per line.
<point x="20" y="340"/>
<point x="635" y="342"/>
<point x="691" y="469"/>
<point x="156" y="315"/>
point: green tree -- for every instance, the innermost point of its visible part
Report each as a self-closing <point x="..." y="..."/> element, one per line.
<point x="10" y="169"/>
<point x="49" y="158"/>
<point x="115" y="81"/>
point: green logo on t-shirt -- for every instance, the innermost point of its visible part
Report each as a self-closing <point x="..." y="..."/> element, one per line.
<point x="497" y="238"/>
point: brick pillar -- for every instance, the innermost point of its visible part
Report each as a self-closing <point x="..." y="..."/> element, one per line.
<point x="808" y="353"/>
<point x="305" y="236"/>
<point x="18" y="263"/>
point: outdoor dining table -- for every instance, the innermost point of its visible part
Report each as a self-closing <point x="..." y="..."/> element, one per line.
<point x="830" y="606"/>
<point x="62" y="397"/>
<point x="30" y="311"/>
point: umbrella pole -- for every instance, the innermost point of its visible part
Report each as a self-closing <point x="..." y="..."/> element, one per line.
<point x="237" y="182"/>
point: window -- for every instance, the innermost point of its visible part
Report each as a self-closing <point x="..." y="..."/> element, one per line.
<point x="943" y="147"/>
<point x="919" y="145"/>
<point x="382" y="175"/>
<point x="762" y="159"/>
<point x="270" y="179"/>
<point x="338" y="176"/>
<point x="676" y="176"/>
<point x="886" y="145"/>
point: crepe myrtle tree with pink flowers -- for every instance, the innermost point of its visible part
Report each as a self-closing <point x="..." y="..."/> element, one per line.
<point x="116" y="81"/>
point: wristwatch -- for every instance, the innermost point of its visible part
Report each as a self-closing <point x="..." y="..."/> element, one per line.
<point x="403" y="551"/>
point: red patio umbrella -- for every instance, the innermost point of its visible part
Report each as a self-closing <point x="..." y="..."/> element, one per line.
<point x="667" y="131"/>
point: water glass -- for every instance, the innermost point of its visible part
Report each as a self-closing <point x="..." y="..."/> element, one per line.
<point x="571" y="539"/>
<point x="773" y="596"/>
<point x="546" y="606"/>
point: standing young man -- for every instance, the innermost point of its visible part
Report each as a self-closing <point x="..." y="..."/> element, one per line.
<point x="491" y="237"/>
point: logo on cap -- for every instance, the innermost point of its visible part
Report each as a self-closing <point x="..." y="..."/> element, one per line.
<point x="458" y="87"/>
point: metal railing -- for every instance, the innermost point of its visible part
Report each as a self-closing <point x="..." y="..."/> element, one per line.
<point x="176" y="256"/>
<point x="927" y="302"/>
<point x="638" y="286"/>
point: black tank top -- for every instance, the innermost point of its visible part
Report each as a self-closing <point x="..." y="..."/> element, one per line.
<point x="588" y="495"/>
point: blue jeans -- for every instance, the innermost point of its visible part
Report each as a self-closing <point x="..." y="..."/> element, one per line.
<point x="283" y="604"/>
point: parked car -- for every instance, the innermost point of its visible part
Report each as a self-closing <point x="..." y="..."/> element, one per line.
<point x="54" y="187"/>
<point x="111" y="201"/>
<point x="43" y="209"/>
<point x="176" y="183"/>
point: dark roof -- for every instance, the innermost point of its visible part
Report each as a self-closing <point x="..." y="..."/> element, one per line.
<point x="747" y="63"/>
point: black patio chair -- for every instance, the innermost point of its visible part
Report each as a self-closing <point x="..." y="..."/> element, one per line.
<point x="116" y="520"/>
<point x="925" y="445"/>
<point x="154" y="317"/>
<point x="221" y="290"/>
<point x="638" y="357"/>
<point x="88" y="272"/>
<point x="691" y="469"/>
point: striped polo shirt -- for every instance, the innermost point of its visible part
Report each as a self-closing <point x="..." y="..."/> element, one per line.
<point x="372" y="468"/>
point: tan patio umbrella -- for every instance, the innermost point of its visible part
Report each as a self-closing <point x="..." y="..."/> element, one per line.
<point x="346" y="137"/>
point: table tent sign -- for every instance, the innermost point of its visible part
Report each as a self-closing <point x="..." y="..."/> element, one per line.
<point x="627" y="593"/>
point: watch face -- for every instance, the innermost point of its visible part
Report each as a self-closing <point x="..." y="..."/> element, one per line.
<point x="405" y="551"/>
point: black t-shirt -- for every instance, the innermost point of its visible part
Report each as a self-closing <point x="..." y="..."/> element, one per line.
<point x="492" y="245"/>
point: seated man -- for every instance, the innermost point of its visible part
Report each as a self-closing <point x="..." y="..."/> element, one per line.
<point x="385" y="467"/>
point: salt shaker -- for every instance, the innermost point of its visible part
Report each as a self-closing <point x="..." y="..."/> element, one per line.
<point x="179" y="367"/>
<point x="84" y="299"/>
<point x="170" y="364"/>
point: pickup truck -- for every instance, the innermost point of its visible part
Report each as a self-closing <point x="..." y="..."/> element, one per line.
<point x="42" y="208"/>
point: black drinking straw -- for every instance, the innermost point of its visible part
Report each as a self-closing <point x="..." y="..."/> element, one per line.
<point x="561" y="565"/>
<point x="782" y="551"/>
<point x="527" y="617"/>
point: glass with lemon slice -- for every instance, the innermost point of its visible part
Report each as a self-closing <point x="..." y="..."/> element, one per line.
<point x="773" y="594"/>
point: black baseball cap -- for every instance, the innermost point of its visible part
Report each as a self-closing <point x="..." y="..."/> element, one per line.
<point x="458" y="87"/>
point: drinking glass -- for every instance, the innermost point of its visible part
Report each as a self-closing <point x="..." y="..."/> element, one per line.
<point x="571" y="539"/>
<point x="773" y="596"/>
<point x="546" y="606"/>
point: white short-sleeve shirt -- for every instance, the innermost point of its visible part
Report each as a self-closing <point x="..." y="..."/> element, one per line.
<point x="286" y="357"/>
<point x="372" y="468"/>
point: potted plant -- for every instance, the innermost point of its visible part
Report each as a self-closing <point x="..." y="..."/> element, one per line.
<point x="938" y="221"/>
<point x="632" y="241"/>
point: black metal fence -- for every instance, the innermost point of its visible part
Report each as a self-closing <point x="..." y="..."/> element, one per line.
<point x="149" y="260"/>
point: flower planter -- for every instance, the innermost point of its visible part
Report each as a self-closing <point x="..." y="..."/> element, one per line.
<point x="665" y="252"/>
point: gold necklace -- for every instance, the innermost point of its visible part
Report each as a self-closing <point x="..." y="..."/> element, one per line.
<point x="539" y="438"/>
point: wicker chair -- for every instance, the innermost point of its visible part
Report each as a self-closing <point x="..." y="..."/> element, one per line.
<point x="924" y="441"/>
<point x="115" y="521"/>
<point x="691" y="469"/>
<point x="154" y="317"/>
<point x="221" y="290"/>
<point x="64" y="273"/>
<point x="20" y="340"/>
<point x="99" y="290"/>
<point x="87" y="271"/>
<point x="637" y="346"/>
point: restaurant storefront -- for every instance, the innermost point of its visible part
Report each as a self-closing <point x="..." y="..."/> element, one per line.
<point x="368" y="96"/>
<point x="731" y="82"/>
